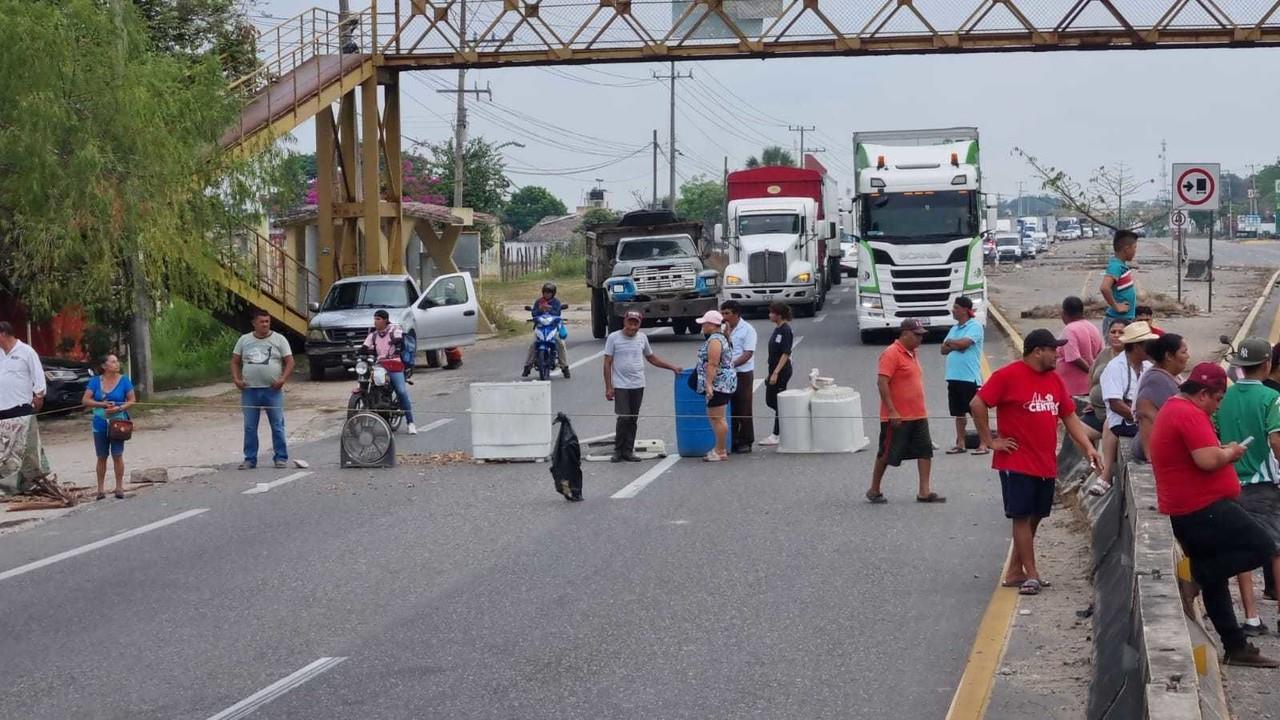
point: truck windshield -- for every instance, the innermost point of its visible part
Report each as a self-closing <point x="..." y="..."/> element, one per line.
<point x="918" y="216"/>
<point x="357" y="295"/>
<point x="654" y="248"/>
<point x="1067" y="225"/>
<point x="788" y="224"/>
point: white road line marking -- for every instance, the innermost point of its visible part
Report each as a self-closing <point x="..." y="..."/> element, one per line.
<point x="436" y="424"/>
<point x="586" y="360"/>
<point x="251" y="704"/>
<point x="635" y="486"/>
<point x="267" y="486"/>
<point x="797" y="342"/>
<point x="756" y="385"/>
<point x="835" y="301"/>
<point x="23" y="569"/>
<point x="820" y="318"/>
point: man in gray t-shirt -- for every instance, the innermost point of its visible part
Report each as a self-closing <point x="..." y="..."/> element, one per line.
<point x="261" y="364"/>
<point x="625" y="353"/>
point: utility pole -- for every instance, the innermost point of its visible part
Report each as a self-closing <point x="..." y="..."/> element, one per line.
<point x="460" y="134"/>
<point x="1022" y="210"/>
<point x="1164" y="175"/>
<point x="1253" y="189"/>
<point x="724" y="206"/>
<point x="654" y="204"/>
<point x="802" y="130"/>
<point x="673" y="77"/>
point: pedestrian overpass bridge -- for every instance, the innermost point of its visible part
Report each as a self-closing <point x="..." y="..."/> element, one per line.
<point x="321" y="58"/>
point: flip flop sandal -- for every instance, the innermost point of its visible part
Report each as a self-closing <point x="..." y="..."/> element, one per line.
<point x="876" y="498"/>
<point x="932" y="497"/>
<point x="983" y="451"/>
<point x="1018" y="583"/>
<point x="713" y="456"/>
<point x="1030" y="587"/>
<point x="955" y="450"/>
<point x="1099" y="487"/>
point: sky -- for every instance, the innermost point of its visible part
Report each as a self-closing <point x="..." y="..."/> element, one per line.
<point x="1072" y="110"/>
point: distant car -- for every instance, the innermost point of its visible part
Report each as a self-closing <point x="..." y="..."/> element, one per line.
<point x="849" y="256"/>
<point x="1008" y="247"/>
<point x="65" y="382"/>
<point x="1042" y="241"/>
<point x="1030" y="248"/>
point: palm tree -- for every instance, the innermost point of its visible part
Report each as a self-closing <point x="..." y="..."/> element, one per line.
<point x="772" y="155"/>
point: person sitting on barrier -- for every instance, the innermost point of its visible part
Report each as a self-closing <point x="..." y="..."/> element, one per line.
<point x="547" y="303"/>
<point x="1095" y="416"/>
<point x="1250" y="413"/>
<point x="1170" y="356"/>
<point x="1119" y="387"/>
<point x="1144" y="313"/>
<point x="1030" y="399"/>
<point x="1197" y="488"/>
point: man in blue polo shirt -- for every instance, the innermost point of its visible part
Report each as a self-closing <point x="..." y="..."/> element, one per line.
<point x="963" y="351"/>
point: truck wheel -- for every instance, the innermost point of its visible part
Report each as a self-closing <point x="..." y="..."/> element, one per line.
<point x="599" y="324"/>
<point x="315" y="370"/>
<point x="837" y="272"/>
<point x="614" y="321"/>
<point x="867" y="337"/>
<point x="679" y="327"/>
<point x="822" y="300"/>
<point x="807" y="310"/>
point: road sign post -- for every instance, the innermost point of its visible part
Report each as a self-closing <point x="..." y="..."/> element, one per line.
<point x="1195" y="186"/>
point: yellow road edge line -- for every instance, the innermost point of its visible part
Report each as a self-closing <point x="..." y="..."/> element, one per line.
<point x="1249" y="319"/>
<point x="989" y="644"/>
<point x="973" y="693"/>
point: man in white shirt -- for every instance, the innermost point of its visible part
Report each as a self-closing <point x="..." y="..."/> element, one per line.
<point x="625" y="353"/>
<point x="742" y="338"/>
<point x="22" y="385"/>
<point x="1119" y="383"/>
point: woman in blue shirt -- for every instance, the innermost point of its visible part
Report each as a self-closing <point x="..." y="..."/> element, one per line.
<point x="109" y="395"/>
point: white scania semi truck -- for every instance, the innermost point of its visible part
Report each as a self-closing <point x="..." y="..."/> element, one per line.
<point x="920" y="211"/>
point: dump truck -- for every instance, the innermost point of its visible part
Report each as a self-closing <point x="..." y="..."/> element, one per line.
<point x="652" y="262"/>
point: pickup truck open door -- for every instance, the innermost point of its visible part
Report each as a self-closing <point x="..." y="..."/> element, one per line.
<point x="445" y="315"/>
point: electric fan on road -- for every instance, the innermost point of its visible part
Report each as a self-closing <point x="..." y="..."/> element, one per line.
<point x="367" y="441"/>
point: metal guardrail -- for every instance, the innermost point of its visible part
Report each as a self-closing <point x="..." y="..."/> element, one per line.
<point x="263" y="266"/>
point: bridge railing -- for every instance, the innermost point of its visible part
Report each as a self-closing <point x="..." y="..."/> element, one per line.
<point x="261" y="264"/>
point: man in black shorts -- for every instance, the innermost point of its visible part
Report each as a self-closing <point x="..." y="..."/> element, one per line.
<point x="962" y="353"/>
<point x="904" y="421"/>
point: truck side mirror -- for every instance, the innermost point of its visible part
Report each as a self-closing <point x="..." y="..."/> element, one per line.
<point x="718" y="233"/>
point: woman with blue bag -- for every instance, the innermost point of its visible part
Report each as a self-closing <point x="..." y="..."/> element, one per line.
<point x="110" y="395"/>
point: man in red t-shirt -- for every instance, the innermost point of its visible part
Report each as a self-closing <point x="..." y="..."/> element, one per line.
<point x="1030" y="399"/>
<point x="1197" y="487"/>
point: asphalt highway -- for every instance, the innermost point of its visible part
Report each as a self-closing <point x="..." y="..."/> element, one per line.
<point x="761" y="587"/>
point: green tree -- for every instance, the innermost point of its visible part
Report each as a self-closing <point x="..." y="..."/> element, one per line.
<point x="110" y="162"/>
<point x="195" y="29"/>
<point x="702" y="199"/>
<point x="485" y="185"/>
<point x="772" y="155"/>
<point x="530" y="204"/>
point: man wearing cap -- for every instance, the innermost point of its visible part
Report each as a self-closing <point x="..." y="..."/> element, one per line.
<point x="1197" y="488"/>
<point x="904" y="423"/>
<point x="962" y="349"/>
<point x="625" y="352"/>
<point x="1030" y="399"/>
<point x="742" y="341"/>
<point x="1119" y="392"/>
<point x="1252" y="410"/>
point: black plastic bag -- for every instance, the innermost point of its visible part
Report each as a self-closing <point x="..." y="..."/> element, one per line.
<point x="566" y="461"/>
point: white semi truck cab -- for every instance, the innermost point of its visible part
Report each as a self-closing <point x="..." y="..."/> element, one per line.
<point x="920" y="211"/>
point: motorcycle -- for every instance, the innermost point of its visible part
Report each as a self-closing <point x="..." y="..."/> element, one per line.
<point x="373" y="391"/>
<point x="547" y="328"/>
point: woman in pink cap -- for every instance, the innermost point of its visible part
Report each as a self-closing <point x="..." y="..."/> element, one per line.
<point x="716" y="380"/>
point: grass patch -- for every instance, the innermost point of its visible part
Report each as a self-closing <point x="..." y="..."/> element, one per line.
<point x="189" y="347"/>
<point x="570" y="288"/>
<point x="502" y="322"/>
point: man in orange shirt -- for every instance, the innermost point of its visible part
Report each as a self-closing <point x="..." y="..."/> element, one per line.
<point x="904" y="422"/>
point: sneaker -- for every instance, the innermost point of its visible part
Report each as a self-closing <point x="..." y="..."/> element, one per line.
<point x="615" y="459"/>
<point x="413" y="429"/>
<point x="1254" y="630"/>
<point x="565" y="371"/>
<point x="281" y="463"/>
<point x="769" y="441"/>
<point x="246" y="465"/>
<point x="1249" y="656"/>
<point x="527" y="369"/>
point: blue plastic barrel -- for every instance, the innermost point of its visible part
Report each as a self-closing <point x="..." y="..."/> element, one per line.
<point x="694" y="437"/>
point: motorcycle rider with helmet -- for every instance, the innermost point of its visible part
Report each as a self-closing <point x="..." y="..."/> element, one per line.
<point x="386" y="340"/>
<point x="548" y="303"/>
